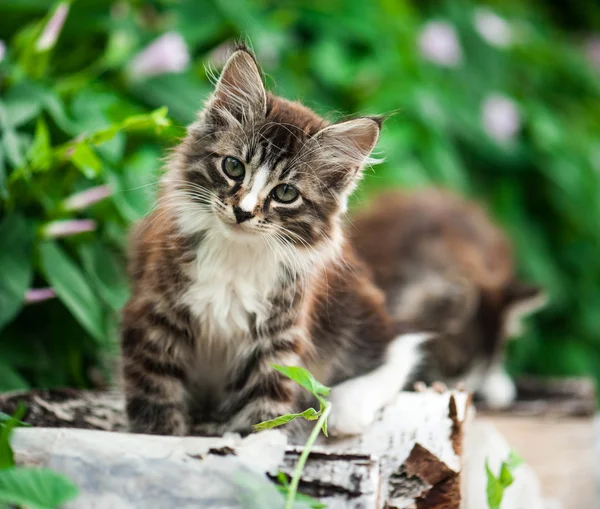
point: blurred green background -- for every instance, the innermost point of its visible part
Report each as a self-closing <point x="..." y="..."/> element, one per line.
<point x="496" y="100"/>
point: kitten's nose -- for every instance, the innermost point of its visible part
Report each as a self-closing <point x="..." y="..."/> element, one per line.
<point x="241" y="215"/>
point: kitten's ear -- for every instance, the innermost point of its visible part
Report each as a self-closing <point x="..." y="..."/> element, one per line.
<point x="345" y="147"/>
<point x="240" y="91"/>
<point x="520" y="301"/>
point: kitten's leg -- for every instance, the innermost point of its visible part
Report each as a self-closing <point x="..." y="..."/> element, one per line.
<point x="259" y="392"/>
<point x="497" y="388"/>
<point x="355" y="402"/>
<point x="155" y="351"/>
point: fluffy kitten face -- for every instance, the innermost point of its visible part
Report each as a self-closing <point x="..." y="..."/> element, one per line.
<point x="256" y="167"/>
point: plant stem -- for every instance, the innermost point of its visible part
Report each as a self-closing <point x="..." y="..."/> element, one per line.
<point x="289" y="504"/>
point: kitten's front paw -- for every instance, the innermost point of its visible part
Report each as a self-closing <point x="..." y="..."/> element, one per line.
<point x="352" y="409"/>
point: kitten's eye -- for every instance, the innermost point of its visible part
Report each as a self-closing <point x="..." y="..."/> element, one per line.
<point x="233" y="168"/>
<point x="285" y="193"/>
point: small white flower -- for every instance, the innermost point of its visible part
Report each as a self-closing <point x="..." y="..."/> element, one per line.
<point x="34" y="295"/>
<point x="492" y="28"/>
<point x="2" y="50"/>
<point x="500" y="118"/>
<point x="67" y="227"/>
<point x="84" y="199"/>
<point x="592" y="50"/>
<point x="166" y="54"/>
<point x="53" y="28"/>
<point x="438" y="42"/>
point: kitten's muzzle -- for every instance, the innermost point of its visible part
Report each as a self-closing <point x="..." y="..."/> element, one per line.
<point x="241" y="215"/>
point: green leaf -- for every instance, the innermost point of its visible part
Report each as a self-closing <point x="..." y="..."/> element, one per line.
<point x="16" y="269"/>
<point x="304" y="378"/>
<point x="82" y="156"/>
<point x="37" y="488"/>
<point x="494" y="489"/>
<point x="11" y="380"/>
<point x="106" y="270"/>
<point x="72" y="288"/>
<point x="40" y="151"/>
<point x="506" y="478"/>
<point x="514" y="460"/>
<point x="22" y="103"/>
<point x="7" y="425"/>
<point x="3" y="191"/>
<point x="13" y="148"/>
<point x="310" y="414"/>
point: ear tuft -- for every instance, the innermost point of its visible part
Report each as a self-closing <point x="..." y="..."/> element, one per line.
<point x="349" y="143"/>
<point x="240" y="90"/>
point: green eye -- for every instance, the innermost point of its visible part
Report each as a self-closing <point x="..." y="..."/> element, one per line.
<point x="285" y="193"/>
<point x="233" y="168"/>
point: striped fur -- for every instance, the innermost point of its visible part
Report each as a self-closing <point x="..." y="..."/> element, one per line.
<point x="229" y="279"/>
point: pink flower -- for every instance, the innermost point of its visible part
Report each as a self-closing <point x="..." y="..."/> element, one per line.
<point x="2" y="50"/>
<point x="438" y="42"/>
<point x="592" y="50"/>
<point x="492" y="28"/>
<point x="67" y="227"/>
<point x="53" y="28"/>
<point x="166" y="54"/>
<point x="34" y="295"/>
<point x="84" y="199"/>
<point x="500" y="118"/>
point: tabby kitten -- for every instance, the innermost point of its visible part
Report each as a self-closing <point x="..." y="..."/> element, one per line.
<point x="446" y="267"/>
<point x="244" y="264"/>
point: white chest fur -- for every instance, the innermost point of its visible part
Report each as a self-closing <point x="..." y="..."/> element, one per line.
<point x="232" y="281"/>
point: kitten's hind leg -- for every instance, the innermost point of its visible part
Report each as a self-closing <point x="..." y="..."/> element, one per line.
<point x="355" y="402"/>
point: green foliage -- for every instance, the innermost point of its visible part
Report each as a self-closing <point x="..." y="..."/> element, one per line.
<point x="74" y="116"/>
<point x="305" y="379"/>
<point x="497" y="485"/>
<point x="284" y="488"/>
<point x="38" y="488"/>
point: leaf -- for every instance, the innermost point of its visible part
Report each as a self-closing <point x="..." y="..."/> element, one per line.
<point x="11" y="380"/>
<point x="310" y="414"/>
<point x="6" y="454"/>
<point x="12" y="148"/>
<point x="16" y="269"/>
<point x="40" y="151"/>
<point x="514" y="460"/>
<point x="22" y="103"/>
<point x="106" y="270"/>
<point x="506" y="478"/>
<point x="72" y="288"/>
<point x="494" y="489"/>
<point x="82" y="156"/>
<point x="37" y="488"/>
<point x="304" y="378"/>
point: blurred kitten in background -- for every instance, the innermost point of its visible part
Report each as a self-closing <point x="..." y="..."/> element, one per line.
<point x="445" y="266"/>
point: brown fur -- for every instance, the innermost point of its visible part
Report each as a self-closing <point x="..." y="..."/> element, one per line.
<point x="183" y="363"/>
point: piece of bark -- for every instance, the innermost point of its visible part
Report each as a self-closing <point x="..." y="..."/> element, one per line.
<point x="410" y="457"/>
<point x="418" y="441"/>
<point x="340" y="481"/>
<point x="126" y="471"/>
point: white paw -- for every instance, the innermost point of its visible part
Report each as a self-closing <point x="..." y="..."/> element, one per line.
<point x="498" y="390"/>
<point x="353" y="408"/>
